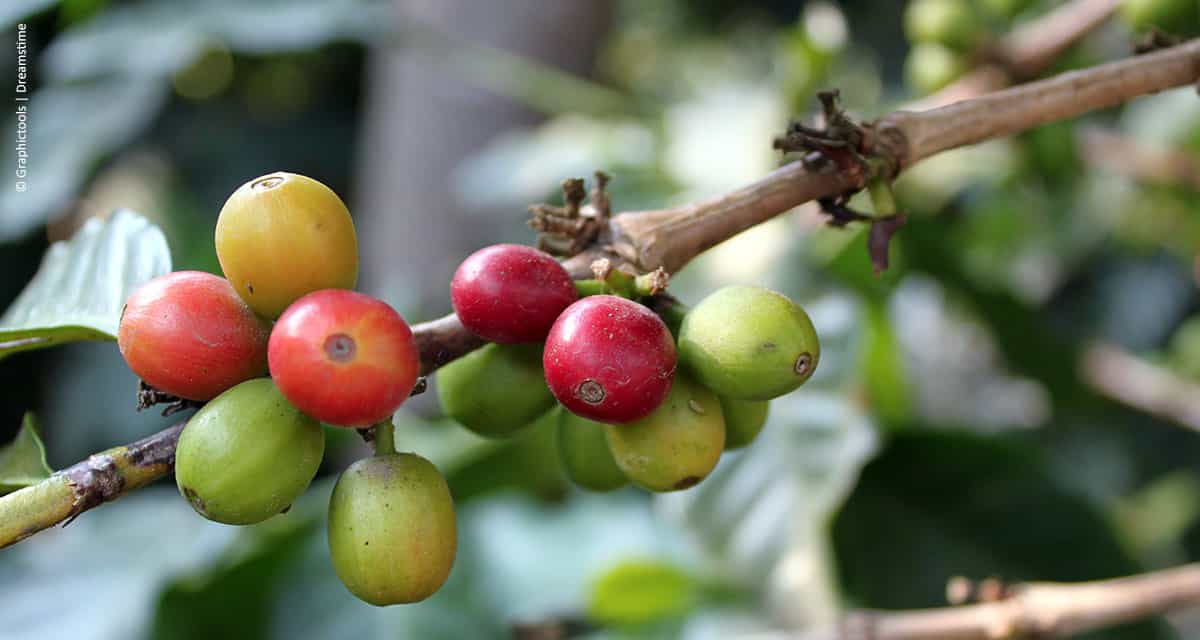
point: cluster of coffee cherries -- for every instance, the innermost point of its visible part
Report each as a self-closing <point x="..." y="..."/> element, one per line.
<point x="286" y="309"/>
<point x="646" y="390"/>
<point x="282" y="344"/>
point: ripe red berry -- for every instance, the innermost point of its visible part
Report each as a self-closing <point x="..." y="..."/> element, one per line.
<point x="343" y="357"/>
<point x="189" y="334"/>
<point x="609" y="359"/>
<point x="510" y="293"/>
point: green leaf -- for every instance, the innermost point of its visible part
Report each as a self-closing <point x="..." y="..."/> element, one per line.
<point x="884" y="373"/>
<point x="76" y="126"/>
<point x="635" y="592"/>
<point x="528" y="460"/>
<point x="82" y="284"/>
<point x="125" y="554"/>
<point x="772" y="500"/>
<point x="233" y="598"/>
<point x="23" y="461"/>
<point x="938" y="505"/>
<point x="13" y="11"/>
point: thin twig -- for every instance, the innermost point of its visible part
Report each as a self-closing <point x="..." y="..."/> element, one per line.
<point x="104" y="476"/>
<point x="1061" y="97"/>
<point x="1031" y="48"/>
<point x="1035" y="610"/>
<point x="1140" y="384"/>
<point x="1026" y="52"/>
<point x="670" y="238"/>
<point x="1125" y="156"/>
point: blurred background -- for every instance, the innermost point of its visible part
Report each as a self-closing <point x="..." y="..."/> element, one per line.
<point x="1015" y="398"/>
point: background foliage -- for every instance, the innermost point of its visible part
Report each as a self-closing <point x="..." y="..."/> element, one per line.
<point x="948" y="430"/>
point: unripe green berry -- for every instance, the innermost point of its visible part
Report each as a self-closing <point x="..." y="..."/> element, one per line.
<point x="586" y="459"/>
<point x="247" y="454"/>
<point x="930" y="67"/>
<point x="677" y="445"/>
<point x="1171" y="16"/>
<point x="392" y="532"/>
<point x="952" y="23"/>
<point x="744" y="420"/>
<point x="748" y="343"/>
<point x="496" y="390"/>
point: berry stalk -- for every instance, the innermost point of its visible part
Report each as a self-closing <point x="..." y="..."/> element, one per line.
<point x="385" y="438"/>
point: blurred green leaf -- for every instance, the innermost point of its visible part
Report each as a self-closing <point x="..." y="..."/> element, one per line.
<point x="528" y="460"/>
<point x="77" y="11"/>
<point x="937" y="505"/>
<point x="82" y="284"/>
<point x="233" y="599"/>
<point x="95" y="97"/>
<point x="169" y="35"/>
<point x="774" y="497"/>
<point x="75" y="125"/>
<point x="1184" y="351"/>
<point x="1029" y="344"/>
<point x="636" y="592"/>
<point x="1051" y="154"/>
<point x="539" y="86"/>
<point x="13" y="11"/>
<point x="23" y="461"/>
<point x="1158" y="514"/>
<point x="100" y="577"/>
<point x="883" y="370"/>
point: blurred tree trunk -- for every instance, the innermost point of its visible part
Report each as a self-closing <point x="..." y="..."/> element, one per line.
<point x="422" y="119"/>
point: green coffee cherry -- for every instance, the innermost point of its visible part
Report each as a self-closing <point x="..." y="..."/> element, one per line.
<point x="952" y="23"/>
<point x="247" y="454"/>
<point x="583" y="450"/>
<point x="748" y="343"/>
<point x="676" y="446"/>
<point x="930" y="67"/>
<point x="1172" y="16"/>
<point x="744" y="419"/>
<point x="496" y="390"/>
<point x="392" y="534"/>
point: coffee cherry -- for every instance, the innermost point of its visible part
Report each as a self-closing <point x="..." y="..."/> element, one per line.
<point x="583" y="450"/>
<point x="952" y="23"/>
<point x="343" y="357"/>
<point x="1172" y="16"/>
<point x="247" y="455"/>
<point x="496" y="390"/>
<point x="744" y="419"/>
<point x="392" y="534"/>
<point x="510" y="293"/>
<point x="609" y="359"/>
<point x="749" y="343"/>
<point x="931" y="66"/>
<point x="189" y="334"/>
<point x="283" y="235"/>
<point x="676" y="446"/>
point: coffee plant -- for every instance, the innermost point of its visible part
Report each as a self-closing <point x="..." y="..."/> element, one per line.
<point x="589" y="356"/>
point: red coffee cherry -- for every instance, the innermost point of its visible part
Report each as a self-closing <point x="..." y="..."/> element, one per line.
<point x="343" y="357"/>
<point x="510" y="293"/>
<point x="189" y="334"/>
<point x="609" y="359"/>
